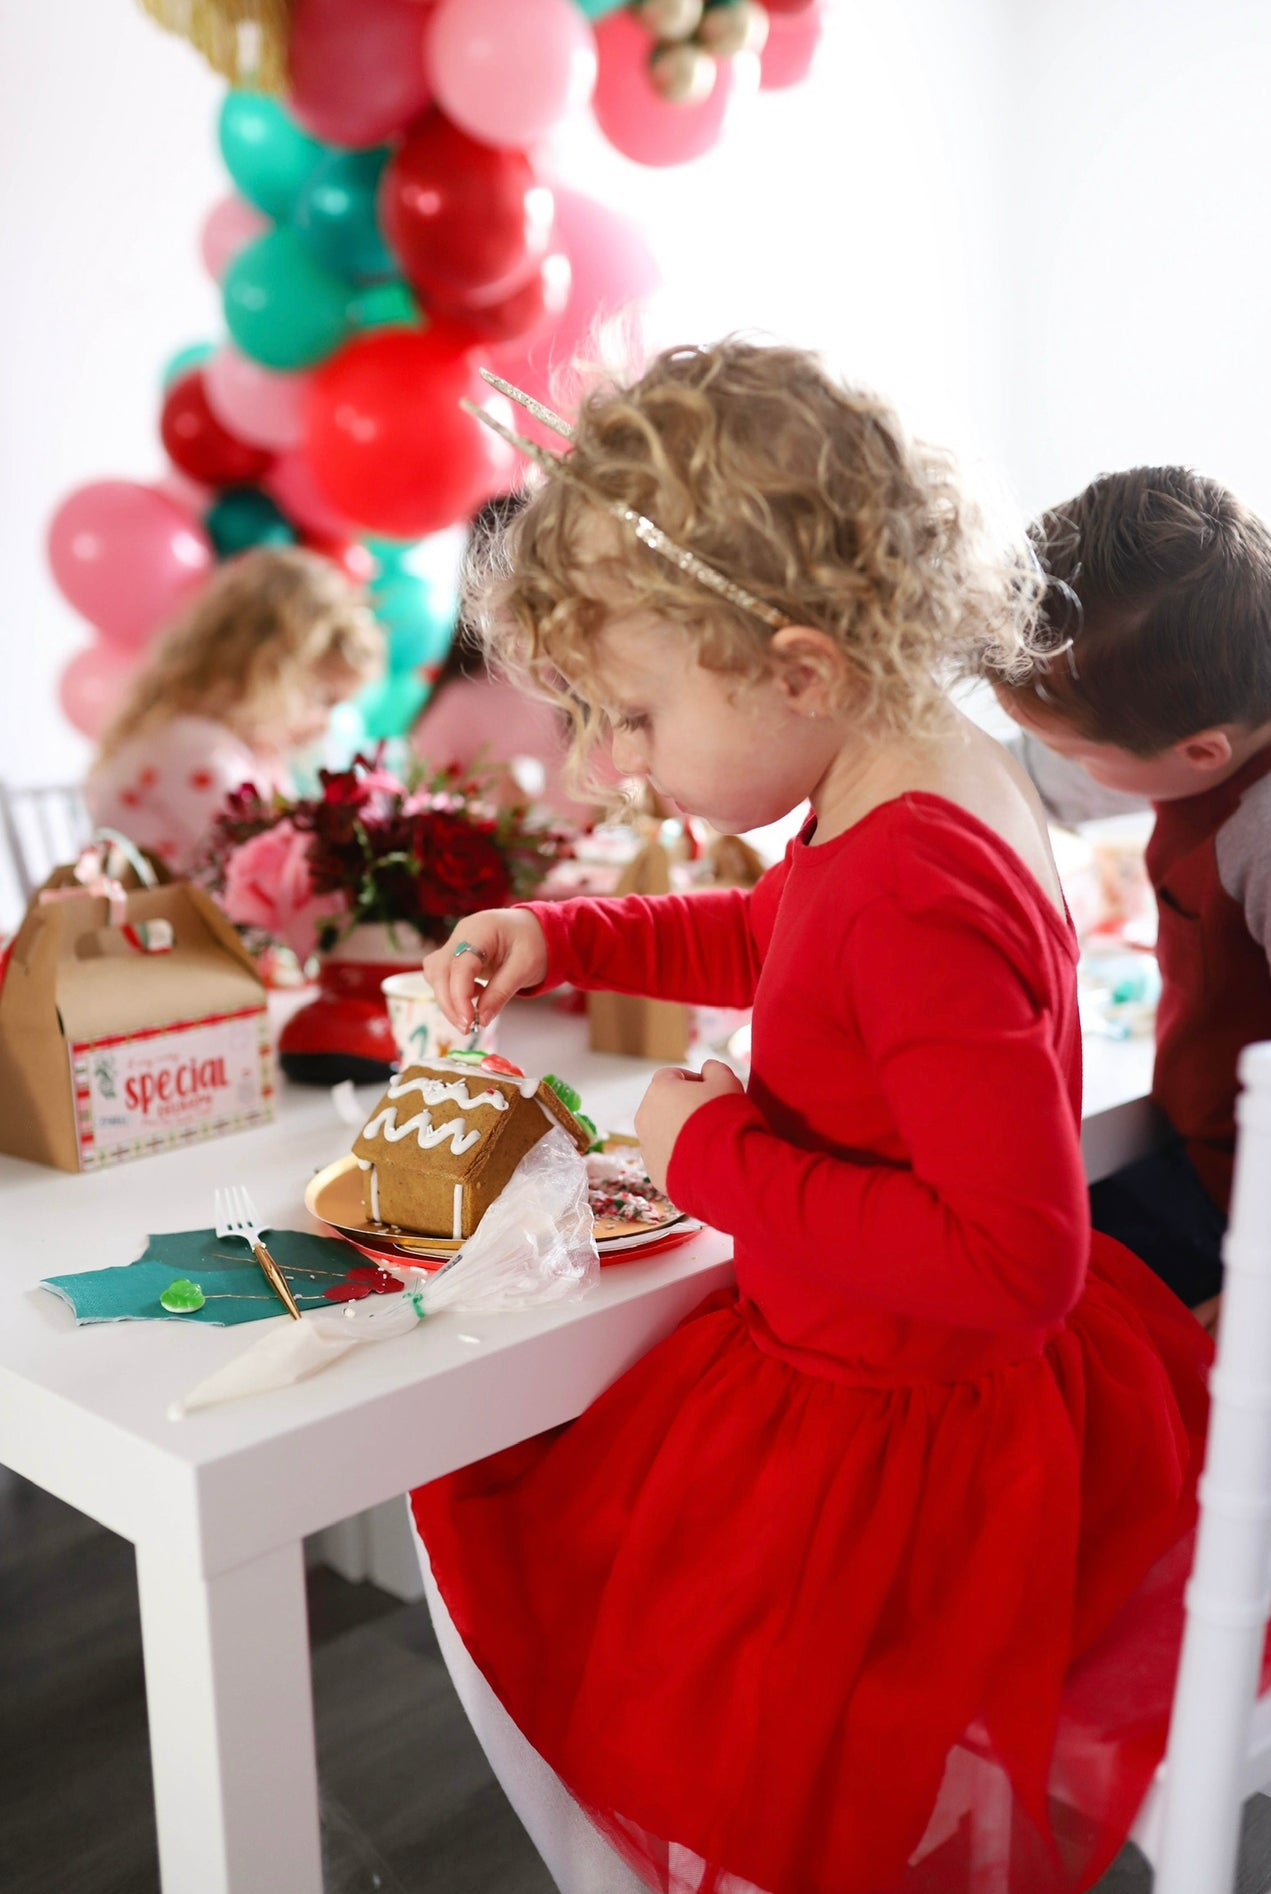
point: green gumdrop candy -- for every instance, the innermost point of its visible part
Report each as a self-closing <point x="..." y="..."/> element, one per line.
<point x="589" y="1125"/>
<point x="182" y="1297"/>
<point x="566" y="1093"/>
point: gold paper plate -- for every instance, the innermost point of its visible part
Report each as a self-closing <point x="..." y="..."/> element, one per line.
<point x="334" y="1196"/>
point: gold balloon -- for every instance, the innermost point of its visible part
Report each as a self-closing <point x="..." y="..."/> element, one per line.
<point x="244" y="40"/>
<point x="671" y="19"/>
<point x="736" y="26"/>
<point x="684" y="74"/>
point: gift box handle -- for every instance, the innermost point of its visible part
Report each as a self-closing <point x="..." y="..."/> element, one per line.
<point x="96" y="873"/>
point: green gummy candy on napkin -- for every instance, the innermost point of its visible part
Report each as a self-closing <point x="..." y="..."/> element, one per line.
<point x="182" y="1297"/>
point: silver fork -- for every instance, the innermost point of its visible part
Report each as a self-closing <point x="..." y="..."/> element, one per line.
<point x="236" y="1216"/>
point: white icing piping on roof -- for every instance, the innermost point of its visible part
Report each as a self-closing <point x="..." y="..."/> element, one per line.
<point x="436" y="1091"/>
<point x="428" y="1134"/>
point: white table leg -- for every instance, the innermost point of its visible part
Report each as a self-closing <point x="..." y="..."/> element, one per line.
<point x="230" y="1701"/>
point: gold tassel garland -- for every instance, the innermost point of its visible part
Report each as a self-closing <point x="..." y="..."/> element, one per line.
<point x="244" y="40"/>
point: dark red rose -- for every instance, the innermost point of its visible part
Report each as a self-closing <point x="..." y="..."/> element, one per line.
<point x="461" y="868"/>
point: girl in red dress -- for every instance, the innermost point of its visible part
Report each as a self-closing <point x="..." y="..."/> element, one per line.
<point x="866" y="1578"/>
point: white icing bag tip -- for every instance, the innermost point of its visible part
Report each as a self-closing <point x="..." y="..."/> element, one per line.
<point x="344" y="1100"/>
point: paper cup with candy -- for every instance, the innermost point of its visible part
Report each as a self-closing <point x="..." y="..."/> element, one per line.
<point x="420" y="1028"/>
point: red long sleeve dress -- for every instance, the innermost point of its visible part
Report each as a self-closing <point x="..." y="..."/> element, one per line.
<point x="907" y="1515"/>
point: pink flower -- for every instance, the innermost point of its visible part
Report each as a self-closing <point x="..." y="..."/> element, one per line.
<point x="267" y="885"/>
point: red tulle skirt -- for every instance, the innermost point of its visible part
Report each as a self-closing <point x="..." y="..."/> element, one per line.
<point x="840" y="1639"/>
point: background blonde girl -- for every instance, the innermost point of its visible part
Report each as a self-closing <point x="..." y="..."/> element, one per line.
<point x="245" y="680"/>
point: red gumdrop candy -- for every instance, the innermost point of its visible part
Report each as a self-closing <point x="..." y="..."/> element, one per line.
<point x="494" y="1063"/>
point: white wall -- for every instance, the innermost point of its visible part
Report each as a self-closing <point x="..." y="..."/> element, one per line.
<point x="107" y="158"/>
<point x="855" y="213"/>
<point x="1141" y="241"/>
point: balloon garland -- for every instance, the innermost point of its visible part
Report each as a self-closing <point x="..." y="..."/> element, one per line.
<point x="391" y="228"/>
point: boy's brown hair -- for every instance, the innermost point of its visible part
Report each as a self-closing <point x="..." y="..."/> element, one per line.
<point x="1161" y="579"/>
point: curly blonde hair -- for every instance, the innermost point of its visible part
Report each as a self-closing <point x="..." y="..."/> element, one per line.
<point x="807" y="493"/>
<point x="249" y="644"/>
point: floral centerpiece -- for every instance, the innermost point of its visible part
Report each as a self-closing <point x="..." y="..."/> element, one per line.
<point x="417" y="852"/>
<point x="370" y="872"/>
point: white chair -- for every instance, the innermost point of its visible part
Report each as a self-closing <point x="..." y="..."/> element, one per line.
<point x="1219" y="1750"/>
<point x="39" y="827"/>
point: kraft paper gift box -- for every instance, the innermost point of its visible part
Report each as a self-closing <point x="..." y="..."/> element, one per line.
<point x="630" y="1023"/>
<point x="109" y="1051"/>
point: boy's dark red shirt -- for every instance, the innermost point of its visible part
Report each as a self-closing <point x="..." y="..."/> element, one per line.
<point x="1216" y="982"/>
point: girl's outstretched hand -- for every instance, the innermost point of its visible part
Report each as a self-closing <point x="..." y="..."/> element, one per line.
<point x="510" y="953"/>
<point x="672" y="1098"/>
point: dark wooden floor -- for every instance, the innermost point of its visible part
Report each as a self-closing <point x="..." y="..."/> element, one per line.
<point x="408" y="1803"/>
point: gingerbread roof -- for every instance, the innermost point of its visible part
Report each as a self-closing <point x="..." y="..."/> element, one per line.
<point x="453" y="1110"/>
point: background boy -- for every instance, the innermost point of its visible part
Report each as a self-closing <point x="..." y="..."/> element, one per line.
<point x="1162" y="581"/>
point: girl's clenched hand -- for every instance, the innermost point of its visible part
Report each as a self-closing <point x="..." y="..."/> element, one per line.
<point x="672" y="1098"/>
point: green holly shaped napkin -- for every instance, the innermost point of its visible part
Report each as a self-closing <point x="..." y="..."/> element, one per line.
<point x="232" y="1282"/>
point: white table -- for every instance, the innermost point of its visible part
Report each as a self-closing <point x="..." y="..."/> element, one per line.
<point x="218" y="1505"/>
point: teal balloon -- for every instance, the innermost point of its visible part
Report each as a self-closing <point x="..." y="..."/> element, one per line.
<point x="390" y="706"/>
<point x="390" y="556"/>
<point x="385" y="306"/>
<point x="438" y="558"/>
<point x="597" y="9"/>
<point x="335" y="214"/>
<point x="184" y="360"/>
<point x="265" y="151"/>
<point x="419" y="619"/>
<point x="281" y="307"/>
<point x="242" y="517"/>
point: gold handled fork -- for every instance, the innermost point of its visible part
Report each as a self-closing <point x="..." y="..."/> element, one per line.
<point x="236" y="1216"/>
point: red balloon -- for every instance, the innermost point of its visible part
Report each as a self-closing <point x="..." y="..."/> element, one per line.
<point x="537" y="304"/>
<point x="388" y="443"/>
<point x="199" y="445"/>
<point x="356" y="561"/>
<point x="469" y="223"/>
<point x="291" y="484"/>
<point x="357" y="67"/>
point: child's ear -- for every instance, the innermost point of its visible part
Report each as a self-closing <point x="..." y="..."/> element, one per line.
<point x="1207" y="750"/>
<point x="810" y="669"/>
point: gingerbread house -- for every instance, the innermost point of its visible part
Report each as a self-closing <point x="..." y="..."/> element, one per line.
<point x="446" y="1137"/>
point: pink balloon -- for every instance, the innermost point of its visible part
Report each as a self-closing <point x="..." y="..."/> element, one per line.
<point x="357" y="70"/>
<point x="230" y="225"/>
<point x="612" y="268"/>
<point x="93" y="685"/>
<point x="791" y="46"/>
<point x="639" y="121"/>
<point x="190" y="495"/>
<point x="127" y="557"/>
<point x="256" y="404"/>
<point x="506" y="71"/>
<point x="290" y="482"/>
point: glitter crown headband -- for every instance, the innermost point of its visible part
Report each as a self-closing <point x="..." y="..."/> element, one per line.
<point x="557" y="467"/>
